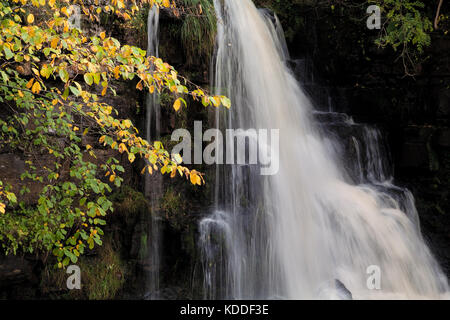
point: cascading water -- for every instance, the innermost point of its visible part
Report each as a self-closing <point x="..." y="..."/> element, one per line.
<point x="153" y="116"/>
<point x="322" y="220"/>
<point x="153" y="183"/>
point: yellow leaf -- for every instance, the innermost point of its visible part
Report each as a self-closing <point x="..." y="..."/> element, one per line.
<point x="122" y="148"/>
<point x="152" y="89"/>
<point x="2" y="208"/>
<point x="30" y="18"/>
<point x="131" y="157"/>
<point x="216" y="101"/>
<point x="64" y="10"/>
<point x="166" y="3"/>
<point x="127" y="123"/>
<point x="54" y="43"/>
<point x="139" y="85"/>
<point x="193" y="178"/>
<point x="102" y="35"/>
<point x="36" y="87"/>
<point x="112" y="178"/>
<point x="116" y="72"/>
<point x="30" y="83"/>
<point x="177" y="104"/>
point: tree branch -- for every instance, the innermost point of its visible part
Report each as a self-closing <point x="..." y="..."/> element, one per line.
<point x="438" y="13"/>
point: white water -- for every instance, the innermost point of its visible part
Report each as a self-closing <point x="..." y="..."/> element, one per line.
<point x="153" y="183"/>
<point x="291" y="235"/>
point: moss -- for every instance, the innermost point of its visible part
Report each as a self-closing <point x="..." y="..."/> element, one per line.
<point x="198" y="32"/>
<point x="189" y="242"/>
<point x="128" y="201"/>
<point x="143" y="249"/>
<point x="173" y="207"/>
<point x="102" y="277"/>
<point x="139" y="20"/>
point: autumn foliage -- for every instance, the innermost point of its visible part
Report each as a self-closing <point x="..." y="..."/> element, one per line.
<point x="53" y="78"/>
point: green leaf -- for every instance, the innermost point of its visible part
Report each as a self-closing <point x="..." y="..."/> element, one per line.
<point x="8" y="53"/>
<point x="97" y="78"/>
<point x="75" y="91"/>
<point x="64" y="75"/>
<point x="88" y="78"/>
<point x="66" y="261"/>
<point x="66" y="93"/>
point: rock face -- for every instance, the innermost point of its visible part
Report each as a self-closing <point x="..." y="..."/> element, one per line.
<point x="17" y="278"/>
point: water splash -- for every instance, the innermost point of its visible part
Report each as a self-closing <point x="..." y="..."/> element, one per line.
<point x="292" y="235"/>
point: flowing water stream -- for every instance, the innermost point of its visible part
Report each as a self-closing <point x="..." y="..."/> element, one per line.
<point x="153" y="183"/>
<point x="328" y="214"/>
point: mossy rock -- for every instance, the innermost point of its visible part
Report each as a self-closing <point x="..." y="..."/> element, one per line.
<point x="102" y="276"/>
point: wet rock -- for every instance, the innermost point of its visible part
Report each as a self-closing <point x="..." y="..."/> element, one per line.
<point x="17" y="279"/>
<point x="343" y="292"/>
<point x="443" y="138"/>
<point x="417" y="150"/>
<point x="414" y="155"/>
<point x="444" y="104"/>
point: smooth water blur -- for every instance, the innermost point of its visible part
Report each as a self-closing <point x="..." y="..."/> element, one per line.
<point x="153" y="183"/>
<point x="323" y="218"/>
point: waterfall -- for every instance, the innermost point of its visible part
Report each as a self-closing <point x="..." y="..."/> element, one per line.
<point x="153" y="183"/>
<point x="312" y="230"/>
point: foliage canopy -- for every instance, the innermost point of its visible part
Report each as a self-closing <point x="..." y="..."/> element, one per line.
<point x="406" y="29"/>
<point x="53" y="81"/>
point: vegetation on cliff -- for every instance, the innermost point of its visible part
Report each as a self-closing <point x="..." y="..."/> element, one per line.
<point x="405" y="25"/>
<point x="54" y="78"/>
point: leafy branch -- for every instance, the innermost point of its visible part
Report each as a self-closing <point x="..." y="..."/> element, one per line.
<point x="69" y="75"/>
